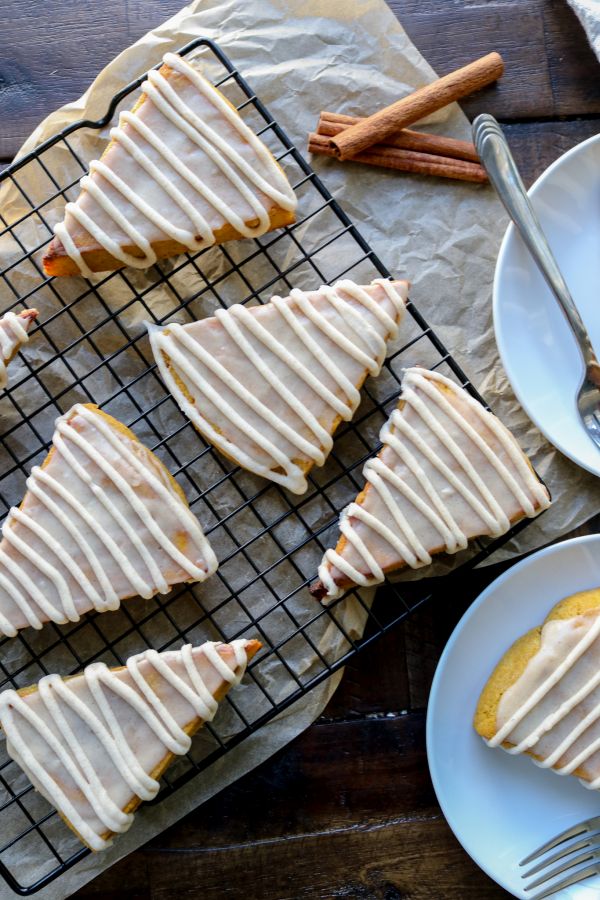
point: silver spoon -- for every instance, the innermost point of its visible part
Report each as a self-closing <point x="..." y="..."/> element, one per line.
<point x="503" y="174"/>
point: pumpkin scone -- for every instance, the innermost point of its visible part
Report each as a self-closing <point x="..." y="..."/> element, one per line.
<point x="102" y="520"/>
<point x="14" y="332"/>
<point x="543" y="697"/>
<point x="95" y="744"/>
<point x="268" y="385"/>
<point x="448" y="471"/>
<point x="182" y="171"/>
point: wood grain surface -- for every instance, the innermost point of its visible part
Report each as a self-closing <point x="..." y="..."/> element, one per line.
<point x="347" y="810"/>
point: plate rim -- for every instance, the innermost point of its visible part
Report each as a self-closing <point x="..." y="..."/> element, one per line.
<point x="581" y="147"/>
<point x="479" y="601"/>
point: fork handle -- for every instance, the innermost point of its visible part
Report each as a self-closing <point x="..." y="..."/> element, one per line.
<point x="503" y="173"/>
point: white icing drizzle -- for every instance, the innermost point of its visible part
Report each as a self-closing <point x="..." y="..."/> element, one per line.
<point x="370" y="327"/>
<point x="13" y="334"/>
<point x="553" y="708"/>
<point x="416" y="453"/>
<point x="88" y="454"/>
<point x="216" y="154"/>
<point x="62" y="719"/>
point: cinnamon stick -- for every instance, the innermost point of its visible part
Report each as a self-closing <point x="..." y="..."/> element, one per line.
<point x="376" y="128"/>
<point x="332" y="124"/>
<point x="405" y="160"/>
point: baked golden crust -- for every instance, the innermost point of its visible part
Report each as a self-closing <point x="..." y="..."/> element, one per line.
<point x="514" y="662"/>
<point x="56" y="261"/>
<point x="507" y="672"/>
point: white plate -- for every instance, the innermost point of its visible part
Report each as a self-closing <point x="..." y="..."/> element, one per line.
<point x="502" y="807"/>
<point x="537" y="349"/>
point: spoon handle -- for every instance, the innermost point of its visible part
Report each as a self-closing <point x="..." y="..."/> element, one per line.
<point x="503" y="174"/>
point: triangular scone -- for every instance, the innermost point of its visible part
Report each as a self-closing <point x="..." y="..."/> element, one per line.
<point x="94" y="745"/>
<point x="14" y="328"/>
<point x="543" y="698"/>
<point x="181" y="172"/>
<point x="102" y="520"/>
<point x="448" y="471"/>
<point x="269" y="385"/>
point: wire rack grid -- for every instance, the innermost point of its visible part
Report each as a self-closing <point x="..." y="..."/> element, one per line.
<point x="268" y="543"/>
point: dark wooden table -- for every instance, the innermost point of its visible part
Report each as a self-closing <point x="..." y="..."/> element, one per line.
<point x="347" y="810"/>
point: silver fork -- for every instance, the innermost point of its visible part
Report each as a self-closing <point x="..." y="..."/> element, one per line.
<point x="504" y="176"/>
<point x="587" y="849"/>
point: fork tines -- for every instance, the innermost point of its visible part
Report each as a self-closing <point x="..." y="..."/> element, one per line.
<point x="587" y="850"/>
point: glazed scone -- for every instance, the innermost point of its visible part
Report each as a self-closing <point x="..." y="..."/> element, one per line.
<point x="14" y="332"/>
<point x="182" y="172"/>
<point x="95" y="744"/>
<point x="102" y="520"/>
<point x="268" y="385"/>
<point x="448" y="471"/>
<point x="543" y="697"/>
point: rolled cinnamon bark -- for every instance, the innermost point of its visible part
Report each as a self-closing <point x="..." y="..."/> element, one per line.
<point x="405" y="160"/>
<point x="331" y="124"/>
<point x="376" y="128"/>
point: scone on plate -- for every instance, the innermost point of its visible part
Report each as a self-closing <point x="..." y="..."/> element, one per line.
<point x="95" y="744"/>
<point x="543" y="697"/>
<point x="102" y="520"/>
<point x="182" y="172"/>
<point x="448" y="471"/>
<point x="268" y="385"/>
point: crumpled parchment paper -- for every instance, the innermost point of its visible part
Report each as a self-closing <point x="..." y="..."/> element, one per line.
<point x="443" y="236"/>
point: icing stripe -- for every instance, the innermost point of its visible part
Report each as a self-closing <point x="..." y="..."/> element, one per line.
<point x="63" y="718"/>
<point x="419" y="392"/>
<point x="368" y="326"/>
<point x="249" y="186"/>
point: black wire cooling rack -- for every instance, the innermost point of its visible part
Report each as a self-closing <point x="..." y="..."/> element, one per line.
<point x="91" y="346"/>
